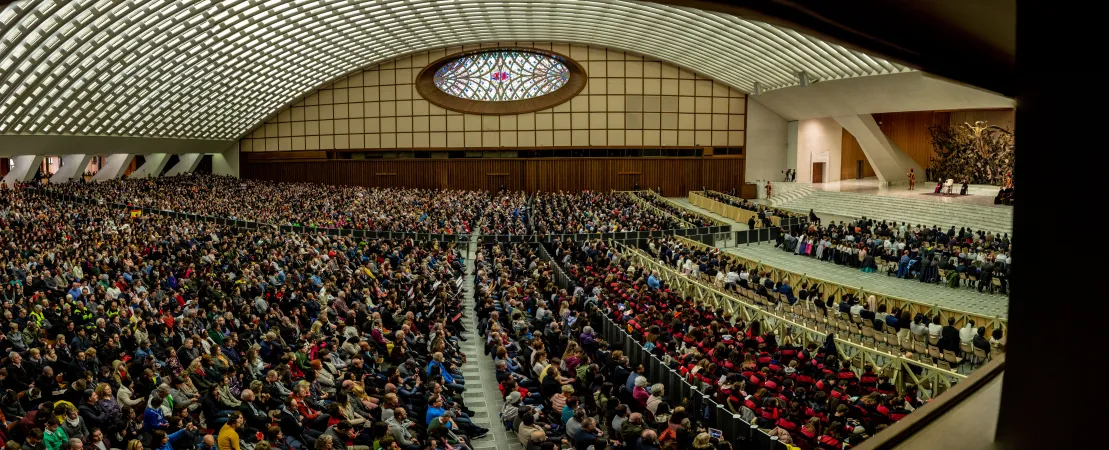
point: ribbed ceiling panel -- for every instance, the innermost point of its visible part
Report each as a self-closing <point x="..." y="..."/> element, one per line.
<point x="214" y="69"/>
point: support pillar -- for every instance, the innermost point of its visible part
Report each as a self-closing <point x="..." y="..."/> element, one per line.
<point x="890" y="163"/>
<point x="227" y="163"/>
<point x="114" y="167"/>
<point x="153" y="166"/>
<point x="73" y="167"/>
<point x="25" y="168"/>
<point x="185" y="164"/>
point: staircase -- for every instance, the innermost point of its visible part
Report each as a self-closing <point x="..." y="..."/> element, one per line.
<point x="782" y="192"/>
<point x="917" y="212"/>
<point x="481" y="393"/>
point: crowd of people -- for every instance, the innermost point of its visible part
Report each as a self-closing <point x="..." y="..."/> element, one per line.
<point x="507" y="214"/>
<point x="439" y="211"/>
<point x="803" y="394"/>
<point x="594" y="212"/>
<point x="562" y="386"/>
<point x="912" y="252"/>
<point x="160" y="332"/>
<point x="298" y="204"/>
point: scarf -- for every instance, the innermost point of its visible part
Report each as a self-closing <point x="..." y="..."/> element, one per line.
<point x="73" y="422"/>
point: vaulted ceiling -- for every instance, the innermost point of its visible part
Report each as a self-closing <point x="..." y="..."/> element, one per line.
<point x="205" y="69"/>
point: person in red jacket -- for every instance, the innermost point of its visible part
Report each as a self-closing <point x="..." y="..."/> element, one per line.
<point x="832" y="439"/>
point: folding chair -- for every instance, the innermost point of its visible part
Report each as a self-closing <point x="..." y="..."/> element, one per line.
<point x="934" y="352"/>
<point x="950" y="357"/>
<point x="980" y="355"/>
<point x="907" y="344"/>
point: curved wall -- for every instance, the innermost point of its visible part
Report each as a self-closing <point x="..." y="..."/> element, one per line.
<point x="629" y="101"/>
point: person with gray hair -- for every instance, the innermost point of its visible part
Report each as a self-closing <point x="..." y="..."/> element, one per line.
<point x="639" y="393"/>
<point x="76" y="444"/>
<point x="655" y="399"/>
<point x="253" y="411"/>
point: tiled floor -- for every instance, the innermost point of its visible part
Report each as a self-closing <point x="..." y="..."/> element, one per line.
<point x="963" y="299"/>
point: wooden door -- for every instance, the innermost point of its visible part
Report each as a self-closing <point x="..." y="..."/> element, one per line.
<point x="818" y="172"/>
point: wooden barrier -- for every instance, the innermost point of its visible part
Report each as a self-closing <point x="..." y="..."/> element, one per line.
<point x="732" y="212"/>
<point x="886" y="359"/>
<point x="712" y="205"/>
<point x="837" y="291"/>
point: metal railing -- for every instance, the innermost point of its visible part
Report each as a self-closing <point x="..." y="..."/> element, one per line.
<point x="703" y="409"/>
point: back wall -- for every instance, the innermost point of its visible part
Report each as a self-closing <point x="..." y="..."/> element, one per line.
<point x="629" y="101"/>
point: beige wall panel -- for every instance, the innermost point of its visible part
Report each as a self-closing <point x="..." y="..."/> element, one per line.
<point x="628" y="100"/>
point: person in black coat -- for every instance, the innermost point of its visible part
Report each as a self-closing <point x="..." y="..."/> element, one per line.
<point x="980" y="341"/>
<point x="949" y="337"/>
<point x="253" y="411"/>
<point x="19" y="378"/>
<point x="94" y="415"/>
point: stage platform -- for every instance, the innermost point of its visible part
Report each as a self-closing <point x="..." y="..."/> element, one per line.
<point x="977" y="194"/>
<point x="856" y="198"/>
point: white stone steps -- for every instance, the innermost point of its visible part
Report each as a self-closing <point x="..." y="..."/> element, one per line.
<point x="913" y="211"/>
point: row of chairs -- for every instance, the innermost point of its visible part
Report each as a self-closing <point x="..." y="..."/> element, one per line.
<point x="855" y="330"/>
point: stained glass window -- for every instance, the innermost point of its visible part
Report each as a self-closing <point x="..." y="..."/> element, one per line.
<point x="502" y="75"/>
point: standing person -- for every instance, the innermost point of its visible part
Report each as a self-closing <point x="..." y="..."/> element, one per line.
<point x="912" y="179"/>
<point x="768" y="189"/>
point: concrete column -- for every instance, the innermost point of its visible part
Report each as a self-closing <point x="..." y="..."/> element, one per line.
<point x="890" y="163"/>
<point x="114" y="167"/>
<point x="766" y="144"/>
<point x="73" y="167"/>
<point x="791" y="145"/>
<point x="25" y="168"/>
<point x="153" y="166"/>
<point x="185" y="164"/>
<point x="227" y="163"/>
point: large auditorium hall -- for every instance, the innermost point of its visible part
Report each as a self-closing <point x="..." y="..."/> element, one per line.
<point x="540" y="225"/>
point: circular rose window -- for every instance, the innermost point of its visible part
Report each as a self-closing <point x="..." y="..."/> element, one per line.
<point x="501" y="81"/>
<point x="502" y="76"/>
